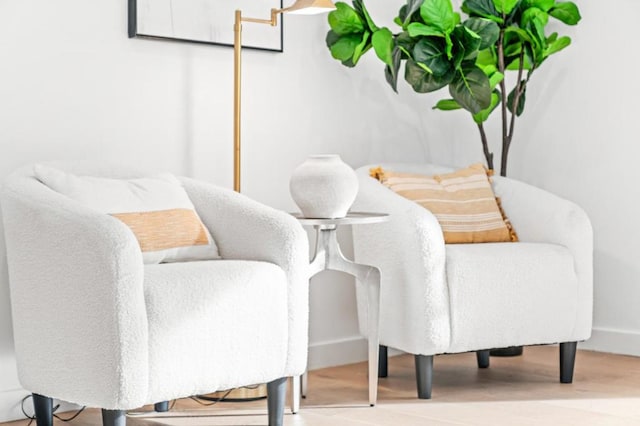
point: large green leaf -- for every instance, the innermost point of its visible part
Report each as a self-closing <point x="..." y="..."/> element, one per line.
<point x="416" y="29"/>
<point x="566" y="12"/>
<point x="486" y="58"/>
<point x="438" y="14"/>
<point x="422" y="81"/>
<point x="361" y="48"/>
<point x="466" y="42"/>
<point x="495" y="79"/>
<point x="345" y="47"/>
<point x="511" y="99"/>
<point x="407" y="11"/>
<point x="514" y="65"/>
<point x="519" y="32"/>
<point x="540" y="4"/>
<point x="332" y="38"/>
<point x="406" y="43"/>
<point x="470" y="87"/>
<point x="535" y="30"/>
<point x="345" y="20"/>
<point x="382" y="41"/>
<point x="447" y="105"/>
<point x="505" y="6"/>
<point x="362" y="10"/>
<point x="482" y="8"/>
<point x="558" y="45"/>
<point x="513" y="49"/>
<point x="391" y="71"/>
<point x="483" y="115"/>
<point x="531" y="13"/>
<point x="488" y="31"/>
<point x="432" y="52"/>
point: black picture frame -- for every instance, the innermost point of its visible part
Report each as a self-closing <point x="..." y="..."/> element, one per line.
<point x="262" y="38"/>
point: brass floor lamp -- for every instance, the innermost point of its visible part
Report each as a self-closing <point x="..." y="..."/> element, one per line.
<point x="302" y="7"/>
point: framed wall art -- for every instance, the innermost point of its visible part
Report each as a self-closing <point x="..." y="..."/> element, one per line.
<point x="205" y="21"/>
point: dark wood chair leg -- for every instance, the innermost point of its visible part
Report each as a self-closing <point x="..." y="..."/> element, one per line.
<point x="424" y="375"/>
<point x="483" y="358"/>
<point x="161" y="407"/>
<point x="276" y="394"/>
<point x="383" y="359"/>
<point x="114" y="418"/>
<point x="567" y="361"/>
<point x="43" y="408"/>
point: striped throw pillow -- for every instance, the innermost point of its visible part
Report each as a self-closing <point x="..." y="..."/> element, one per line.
<point x="463" y="202"/>
<point x="157" y="209"/>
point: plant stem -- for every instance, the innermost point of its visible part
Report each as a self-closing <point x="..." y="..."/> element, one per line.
<point x="503" y="92"/>
<point x="520" y="86"/>
<point x="485" y="146"/>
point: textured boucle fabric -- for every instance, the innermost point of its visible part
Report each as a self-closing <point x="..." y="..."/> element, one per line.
<point x="85" y="321"/>
<point x="268" y="235"/>
<point x="214" y="325"/>
<point x="76" y="281"/>
<point x="520" y="294"/>
<point x="409" y="250"/>
<point x="432" y="294"/>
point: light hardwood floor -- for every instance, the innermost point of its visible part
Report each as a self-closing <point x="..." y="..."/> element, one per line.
<point x="513" y="391"/>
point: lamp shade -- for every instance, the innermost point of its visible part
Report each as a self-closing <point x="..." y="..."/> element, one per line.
<point x="311" y="7"/>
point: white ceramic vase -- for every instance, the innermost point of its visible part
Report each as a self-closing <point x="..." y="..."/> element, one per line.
<point x="324" y="187"/>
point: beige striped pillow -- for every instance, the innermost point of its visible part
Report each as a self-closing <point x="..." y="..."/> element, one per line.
<point x="462" y="201"/>
<point x="157" y="209"/>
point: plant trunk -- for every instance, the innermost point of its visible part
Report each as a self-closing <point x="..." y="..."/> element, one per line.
<point x="503" y="92"/>
<point x="485" y="147"/>
<point x="503" y="162"/>
<point x="519" y="90"/>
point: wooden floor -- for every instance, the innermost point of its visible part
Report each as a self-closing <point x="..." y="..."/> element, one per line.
<point x="513" y="391"/>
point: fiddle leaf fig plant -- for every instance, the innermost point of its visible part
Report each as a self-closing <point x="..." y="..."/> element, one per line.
<point x="469" y="57"/>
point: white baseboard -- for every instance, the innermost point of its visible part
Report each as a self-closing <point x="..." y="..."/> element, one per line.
<point x="340" y="352"/>
<point x="622" y="342"/>
<point x="10" y="404"/>
<point x="337" y="352"/>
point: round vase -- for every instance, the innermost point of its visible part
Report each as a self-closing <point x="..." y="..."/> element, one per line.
<point x="324" y="187"/>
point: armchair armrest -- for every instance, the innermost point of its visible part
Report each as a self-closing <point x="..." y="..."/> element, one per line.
<point x="539" y="216"/>
<point x="410" y="252"/>
<point x="247" y="230"/>
<point x="76" y="280"/>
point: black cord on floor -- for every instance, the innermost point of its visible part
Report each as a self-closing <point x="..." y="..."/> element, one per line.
<point x="199" y="399"/>
<point x="22" y="408"/>
<point x="72" y="417"/>
<point x="32" y="418"/>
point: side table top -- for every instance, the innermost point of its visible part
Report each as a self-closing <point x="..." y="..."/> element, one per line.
<point x="352" y="218"/>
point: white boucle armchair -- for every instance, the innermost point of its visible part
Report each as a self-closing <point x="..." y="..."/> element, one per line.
<point x="94" y="326"/>
<point x="441" y="298"/>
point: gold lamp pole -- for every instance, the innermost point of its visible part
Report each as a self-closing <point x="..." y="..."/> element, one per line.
<point x="306" y="7"/>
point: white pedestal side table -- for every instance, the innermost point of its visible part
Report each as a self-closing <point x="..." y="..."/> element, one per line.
<point x="328" y="256"/>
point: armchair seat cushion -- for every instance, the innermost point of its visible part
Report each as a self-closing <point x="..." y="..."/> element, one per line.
<point x="214" y="325"/>
<point x="510" y="294"/>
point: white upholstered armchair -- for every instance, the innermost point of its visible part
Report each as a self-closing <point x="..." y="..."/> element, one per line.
<point x="438" y="298"/>
<point x="95" y="326"/>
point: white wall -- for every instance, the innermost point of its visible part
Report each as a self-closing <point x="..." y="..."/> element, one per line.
<point x="73" y="86"/>
<point x="582" y="141"/>
<point x="579" y="138"/>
